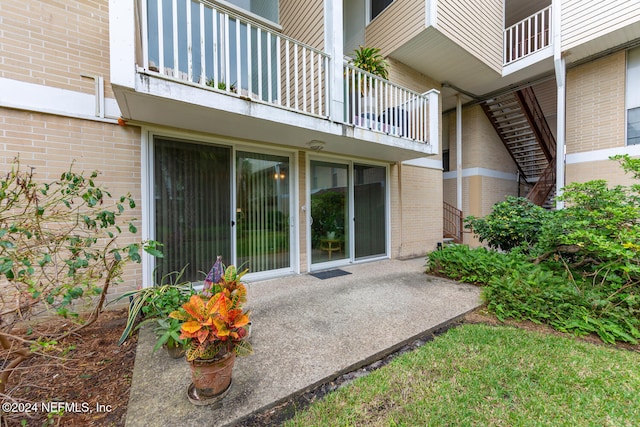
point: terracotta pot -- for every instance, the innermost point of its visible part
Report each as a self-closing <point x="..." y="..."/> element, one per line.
<point x="212" y="377"/>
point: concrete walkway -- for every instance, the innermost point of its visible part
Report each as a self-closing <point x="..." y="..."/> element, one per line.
<point x="306" y="332"/>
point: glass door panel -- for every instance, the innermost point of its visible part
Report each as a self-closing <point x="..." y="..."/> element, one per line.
<point x="329" y="211"/>
<point x="192" y="192"/>
<point x="262" y="212"/>
<point x="369" y="204"/>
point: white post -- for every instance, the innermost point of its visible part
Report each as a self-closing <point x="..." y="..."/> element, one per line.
<point x="561" y="74"/>
<point x="459" y="152"/>
<point x="333" y="39"/>
<point x="433" y="99"/>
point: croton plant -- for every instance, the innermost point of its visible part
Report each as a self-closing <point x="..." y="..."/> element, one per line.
<point x="213" y="321"/>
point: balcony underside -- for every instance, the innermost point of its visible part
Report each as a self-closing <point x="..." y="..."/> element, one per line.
<point x="164" y="102"/>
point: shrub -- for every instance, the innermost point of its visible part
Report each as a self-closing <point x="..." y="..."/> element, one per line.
<point x="60" y="243"/>
<point x="514" y="222"/>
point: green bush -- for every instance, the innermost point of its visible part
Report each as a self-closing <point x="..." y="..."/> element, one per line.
<point x="514" y="222"/>
<point x="576" y="269"/>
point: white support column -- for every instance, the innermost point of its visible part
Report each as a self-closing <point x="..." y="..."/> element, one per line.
<point x="433" y="98"/>
<point x="458" y="152"/>
<point x="333" y="42"/>
<point x="561" y="75"/>
<point x="122" y="44"/>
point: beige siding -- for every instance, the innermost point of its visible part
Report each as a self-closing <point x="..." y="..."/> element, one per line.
<point x="397" y="24"/>
<point x="303" y="20"/>
<point x="52" y="43"/>
<point x="475" y="26"/>
<point x="51" y="143"/>
<point x="416" y="210"/>
<point x="595" y="105"/>
<point x="585" y="20"/>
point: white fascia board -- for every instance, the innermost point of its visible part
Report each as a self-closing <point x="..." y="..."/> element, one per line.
<point x="527" y="61"/>
<point x="484" y="172"/>
<point x="424" y="162"/>
<point x="50" y="100"/>
<point x="598" y="155"/>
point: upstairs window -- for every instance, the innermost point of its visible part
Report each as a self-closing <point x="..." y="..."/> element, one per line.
<point x="633" y="96"/>
<point x="377" y="6"/>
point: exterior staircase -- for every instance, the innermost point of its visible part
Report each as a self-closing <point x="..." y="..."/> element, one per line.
<point x="523" y="129"/>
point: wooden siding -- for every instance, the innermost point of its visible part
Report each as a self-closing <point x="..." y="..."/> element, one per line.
<point x="397" y="24"/>
<point x="303" y="20"/>
<point x="476" y="26"/>
<point x="585" y="20"/>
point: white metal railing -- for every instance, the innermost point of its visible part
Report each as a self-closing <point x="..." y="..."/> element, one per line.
<point x="200" y="43"/>
<point x="527" y="36"/>
<point x="377" y="104"/>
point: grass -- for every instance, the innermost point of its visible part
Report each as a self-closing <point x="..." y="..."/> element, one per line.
<point x="493" y="376"/>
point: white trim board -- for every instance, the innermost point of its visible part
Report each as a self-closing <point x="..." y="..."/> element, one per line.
<point x="424" y="162"/>
<point x="598" y="155"/>
<point x="488" y="173"/>
<point x="50" y="100"/>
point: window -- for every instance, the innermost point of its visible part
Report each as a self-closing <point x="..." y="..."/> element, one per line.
<point x="377" y="6"/>
<point x="633" y="96"/>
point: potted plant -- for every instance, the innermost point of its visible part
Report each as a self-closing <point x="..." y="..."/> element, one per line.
<point x="216" y="329"/>
<point x="370" y="60"/>
<point x="154" y="304"/>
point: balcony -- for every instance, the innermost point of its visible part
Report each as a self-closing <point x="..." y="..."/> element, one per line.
<point x="528" y="36"/>
<point x="201" y="67"/>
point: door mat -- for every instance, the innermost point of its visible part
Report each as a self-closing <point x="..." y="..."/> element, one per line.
<point x="329" y="274"/>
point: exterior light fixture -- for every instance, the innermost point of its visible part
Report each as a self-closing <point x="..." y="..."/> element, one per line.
<point x="316" y="145"/>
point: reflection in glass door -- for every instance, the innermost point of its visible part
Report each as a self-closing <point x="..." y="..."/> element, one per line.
<point x="329" y="211"/>
<point x="262" y="212"/>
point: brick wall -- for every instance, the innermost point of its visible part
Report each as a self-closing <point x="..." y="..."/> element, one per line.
<point x="608" y="170"/>
<point x="416" y="210"/>
<point x="595" y="105"/>
<point x="50" y="143"/>
<point x="52" y="42"/>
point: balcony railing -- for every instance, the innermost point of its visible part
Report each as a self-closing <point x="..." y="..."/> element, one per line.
<point x="202" y="44"/>
<point x="527" y="36"/>
<point x="377" y="104"/>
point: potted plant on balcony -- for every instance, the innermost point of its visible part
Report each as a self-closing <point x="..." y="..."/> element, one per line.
<point x="216" y="329"/>
<point x="370" y="60"/>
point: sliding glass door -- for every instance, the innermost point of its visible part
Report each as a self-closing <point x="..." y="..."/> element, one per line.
<point x="192" y="198"/>
<point x="370" y="211"/>
<point x="262" y="211"/>
<point x="329" y="211"/>
<point x="348" y="212"/>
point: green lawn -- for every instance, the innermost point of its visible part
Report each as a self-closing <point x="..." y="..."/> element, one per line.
<point x="478" y="375"/>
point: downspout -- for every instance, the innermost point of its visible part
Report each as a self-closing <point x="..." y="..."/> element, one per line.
<point x="561" y="76"/>
<point x="458" y="152"/>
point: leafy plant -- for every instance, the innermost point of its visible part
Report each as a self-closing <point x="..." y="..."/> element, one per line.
<point x="168" y="332"/>
<point x="60" y="244"/>
<point x="221" y="85"/>
<point x="216" y="325"/>
<point x="156" y="302"/>
<point x="514" y="222"/>
<point x="370" y="60"/>
<point x="577" y="269"/>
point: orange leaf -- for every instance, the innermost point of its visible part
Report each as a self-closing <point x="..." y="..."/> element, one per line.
<point x="191" y="326"/>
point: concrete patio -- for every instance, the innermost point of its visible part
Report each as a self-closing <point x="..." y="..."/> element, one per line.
<point x="305" y="332"/>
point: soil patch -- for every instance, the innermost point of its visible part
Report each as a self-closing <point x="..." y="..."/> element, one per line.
<point x="89" y="377"/>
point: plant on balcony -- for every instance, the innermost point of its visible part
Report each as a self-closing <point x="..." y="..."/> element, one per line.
<point x="370" y="60"/>
<point x="221" y="85"/>
<point x="216" y="328"/>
